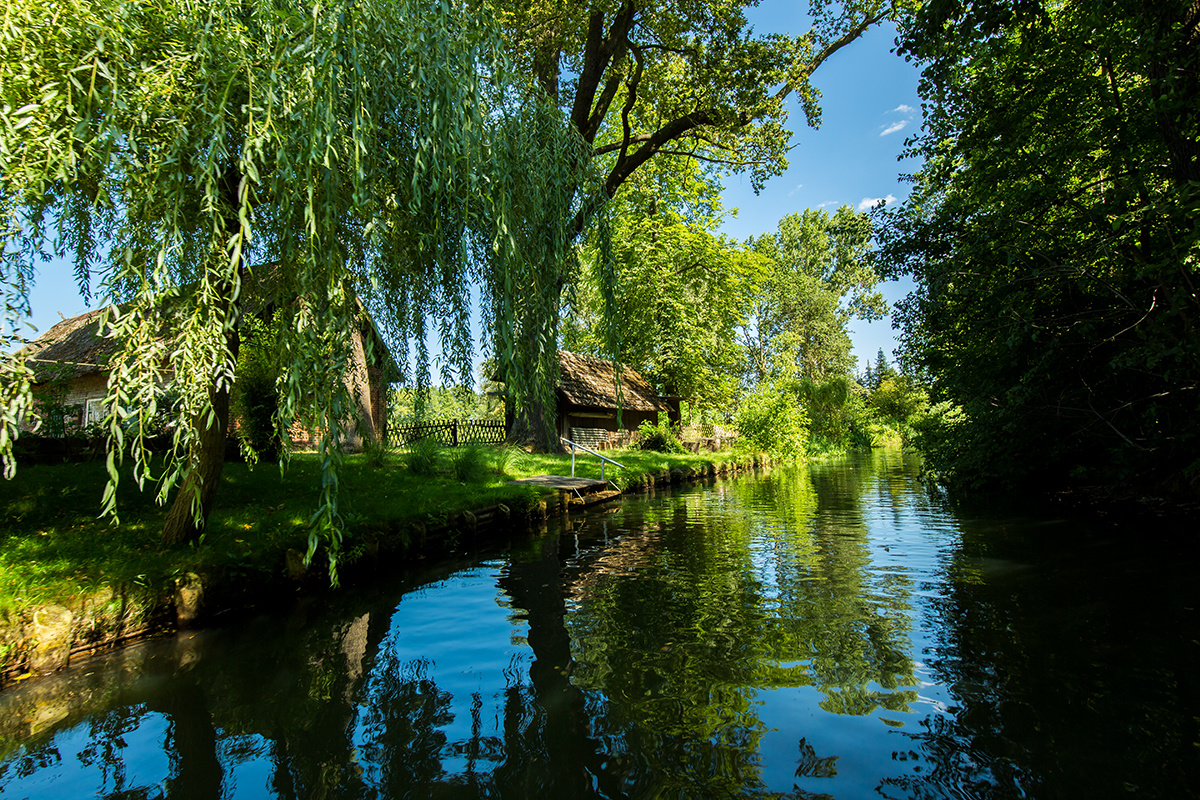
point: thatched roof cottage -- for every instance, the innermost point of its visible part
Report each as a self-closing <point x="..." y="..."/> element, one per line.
<point x="587" y="399"/>
<point x="75" y="353"/>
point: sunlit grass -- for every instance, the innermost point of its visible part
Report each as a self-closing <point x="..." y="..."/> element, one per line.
<point x="55" y="548"/>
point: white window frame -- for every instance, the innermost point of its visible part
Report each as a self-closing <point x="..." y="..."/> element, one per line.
<point x="93" y="410"/>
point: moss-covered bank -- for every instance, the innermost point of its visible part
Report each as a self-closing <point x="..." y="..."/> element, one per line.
<point x="71" y="584"/>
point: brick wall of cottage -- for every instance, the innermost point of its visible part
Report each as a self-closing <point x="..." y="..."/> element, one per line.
<point x="79" y="391"/>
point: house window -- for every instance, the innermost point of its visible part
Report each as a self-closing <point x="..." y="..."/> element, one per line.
<point x="93" y="410"/>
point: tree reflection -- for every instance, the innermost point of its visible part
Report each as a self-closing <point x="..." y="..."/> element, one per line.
<point x="191" y="741"/>
<point x="401" y="728"/>
<point x="653" y="632"/>
<point x="1070" y="657"/>
<point x="682" y="621"/>
<point x="548" y="743"/>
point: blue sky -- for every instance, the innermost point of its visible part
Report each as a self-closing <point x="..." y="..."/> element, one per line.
<point x="869" y="106"/>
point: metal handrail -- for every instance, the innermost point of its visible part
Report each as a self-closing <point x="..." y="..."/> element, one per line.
<point x="593" y="452"/>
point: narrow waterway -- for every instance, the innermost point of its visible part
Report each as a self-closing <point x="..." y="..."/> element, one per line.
<point x="827" y="631"/>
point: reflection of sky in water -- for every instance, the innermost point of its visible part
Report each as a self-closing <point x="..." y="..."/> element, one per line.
<point x="75" y="767"/>
<point x="839" y="634"/>
<point x="248" y="767"/>
<point x="480" y="661"/>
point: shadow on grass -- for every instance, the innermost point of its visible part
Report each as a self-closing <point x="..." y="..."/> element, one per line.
<point x="54" y="546"/>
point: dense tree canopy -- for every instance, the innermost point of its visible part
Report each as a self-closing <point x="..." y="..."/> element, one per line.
<point x="1053" y="233"/>
<point x="187" y="155"/>
<point x="817" y="277"/>
<point x="682" y="290"/>
<point x="675" y="82"/>
<point x="370" y="150"/>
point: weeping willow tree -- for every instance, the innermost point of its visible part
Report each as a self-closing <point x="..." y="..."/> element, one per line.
<point x="371" y="150"/>
<point x="672" y="82"/>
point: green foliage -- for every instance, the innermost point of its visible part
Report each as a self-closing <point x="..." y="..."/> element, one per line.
<point x="817" y="277"/>
<point x="535" y="257"/>
<point x="880" y="370"/>
<point x="376" y="452"/>
<point x="16" y="404"/>
<point x="838" y="414"/>
<point x="637" y="84"/>
<point x="769" y="420"/>
<point x="899" y="399"/>
<point x="658" y="437"/>
<point x="682" y="290"/>
<point x="373" y="150"/>
<point x="960" y="455"/>
<point x="633" y="78"/>
<point x="503" y="458"/>
<point x="1052" y="233"/>
<point x="423" y="457"/>
<point x="469" y="464"/>
<point x="57" y="417"/>
<point x="254" y="401"/>
<point x="407" y="404"/>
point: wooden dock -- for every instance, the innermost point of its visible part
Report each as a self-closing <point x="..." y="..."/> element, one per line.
<point x="580" y="491"/>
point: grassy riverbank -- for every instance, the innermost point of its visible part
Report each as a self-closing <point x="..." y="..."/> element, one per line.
<point x="55" y="550"/>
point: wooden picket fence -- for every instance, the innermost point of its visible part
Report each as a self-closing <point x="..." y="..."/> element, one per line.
<point x="449" y="432"/>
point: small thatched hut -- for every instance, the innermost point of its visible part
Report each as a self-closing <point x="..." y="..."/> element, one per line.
<point x="587" y="399"/>
<point x="73" y="352"/>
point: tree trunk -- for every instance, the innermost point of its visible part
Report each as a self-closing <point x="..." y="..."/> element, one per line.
<point x="208" y="459"/>
<point x="534" y="425"/>
<point x="533" y="422"/>
<point x="180" y="526"/>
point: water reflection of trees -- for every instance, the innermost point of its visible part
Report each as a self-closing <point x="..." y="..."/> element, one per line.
<point x="713" y="597"/>
<point x="650" y="630"/>
<point x="1069" y="654"/>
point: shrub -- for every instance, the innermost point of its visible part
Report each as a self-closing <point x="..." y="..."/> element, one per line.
<point x="469" y="464"/>
<point x="423" y="457"/>
<point x="503" y="458"/>
<point x="770" y="420"/>
<point x="659" y="438"/>
<point x="375" y="451"/>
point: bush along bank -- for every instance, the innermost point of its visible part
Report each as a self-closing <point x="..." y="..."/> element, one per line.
<point x="72" y="584"/>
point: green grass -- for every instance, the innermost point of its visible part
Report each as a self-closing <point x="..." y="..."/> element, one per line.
<point x="54" y="548"/>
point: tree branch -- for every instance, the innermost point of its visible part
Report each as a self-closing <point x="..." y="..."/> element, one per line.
<point x="651" y="143"/>
<point x="598" y="55"/>
<point x="630" y="99"/>
<point x="837" y="44"/>
<point x="711" y="160"/>
<point x="601" y="109"/>
<point x="615" y="146"/>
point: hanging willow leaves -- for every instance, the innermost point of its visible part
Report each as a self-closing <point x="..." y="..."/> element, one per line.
<point x="360" y="152"/>
<point x="679" y="82"/>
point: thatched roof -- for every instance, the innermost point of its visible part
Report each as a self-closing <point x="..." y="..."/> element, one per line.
<point x="71" y="349"/>
<point x="587" y="381"/>
<point x="74" y="348"/>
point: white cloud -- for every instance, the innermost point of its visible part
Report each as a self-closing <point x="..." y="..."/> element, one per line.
<point x="872" y="202"/>
<point x="898" y="125"/>
<point x="799" y="186"/>
<point x="903" y="109"/>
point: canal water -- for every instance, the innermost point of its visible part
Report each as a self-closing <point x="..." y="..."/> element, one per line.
<point x="827" y="631"/>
